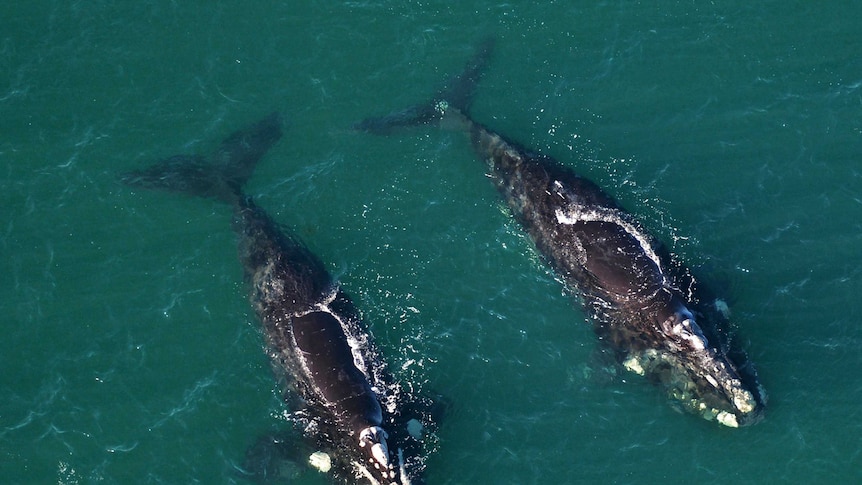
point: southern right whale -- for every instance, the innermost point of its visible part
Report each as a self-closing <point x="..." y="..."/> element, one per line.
<point x="364" y="427"/>
<point x="648" y="308"/>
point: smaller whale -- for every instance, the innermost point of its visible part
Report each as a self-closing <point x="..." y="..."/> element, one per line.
<point x="362" y="424"/>
<point x="657" y="318"/>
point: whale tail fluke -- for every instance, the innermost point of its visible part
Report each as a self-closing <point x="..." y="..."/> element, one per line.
<point x="220" y="176"/>
<point x="457" y="93"/>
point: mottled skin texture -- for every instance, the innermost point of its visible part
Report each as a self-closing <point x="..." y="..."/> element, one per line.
<point x="350" y="407"/>
<point x="307" y="322"/>
<point x="605" y="263"/>
<point x="651" y="312"/>
<point x="638" y="299"/>
<point x="294" y="297"/>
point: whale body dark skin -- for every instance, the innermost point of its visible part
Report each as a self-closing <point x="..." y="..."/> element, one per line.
<point x="647" y="308"/>
<point x="353" y="412"/>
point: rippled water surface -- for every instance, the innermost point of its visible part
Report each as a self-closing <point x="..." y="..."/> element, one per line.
<point x="130" y="353"/>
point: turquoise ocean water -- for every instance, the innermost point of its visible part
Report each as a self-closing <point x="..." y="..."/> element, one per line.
<point x="129" y="353"/>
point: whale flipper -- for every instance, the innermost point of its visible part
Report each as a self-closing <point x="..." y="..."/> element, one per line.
<point x="278" y="457"/>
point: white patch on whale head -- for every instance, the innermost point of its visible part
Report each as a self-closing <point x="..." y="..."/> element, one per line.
<point x="376" y="437"/>
<point x="683" y="326"/>
<point x="692" y="333"/>
<point x="727" y="419"/>
<point x="633" y="364"/>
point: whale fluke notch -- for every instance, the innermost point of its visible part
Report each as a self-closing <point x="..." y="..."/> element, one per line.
<point x="458" y="93"/>
<point x="221" y="175"/>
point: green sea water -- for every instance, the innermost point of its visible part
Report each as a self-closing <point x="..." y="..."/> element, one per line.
<point x="130" y="354"/>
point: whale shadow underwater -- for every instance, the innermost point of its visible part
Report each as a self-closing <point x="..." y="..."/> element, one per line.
<point x="657" y="318"/>
<point x="357" y="423"/>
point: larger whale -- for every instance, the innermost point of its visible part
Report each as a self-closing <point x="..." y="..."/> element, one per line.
<point x="352" y="411"/>
<point x="658" y="320"/>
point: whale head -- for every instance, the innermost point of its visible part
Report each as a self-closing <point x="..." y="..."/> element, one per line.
<point x="696" y="372"/>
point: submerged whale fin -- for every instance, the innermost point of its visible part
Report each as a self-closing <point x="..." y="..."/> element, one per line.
<point x="456" y="93"/>
<point x="223" y="174"/>
<point x="275" y="457"/>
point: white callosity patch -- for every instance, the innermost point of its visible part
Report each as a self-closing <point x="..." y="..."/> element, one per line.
<point x="375" y="437"/>
<point x="691" y="332"/>
<point x="633" y="364"/>
<point x="683" y="389"/>
<point x="743" y="400"/>
<point x="321" y="461"/>
<point x="727" y="419"/>
<point x="682" y="325"/>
